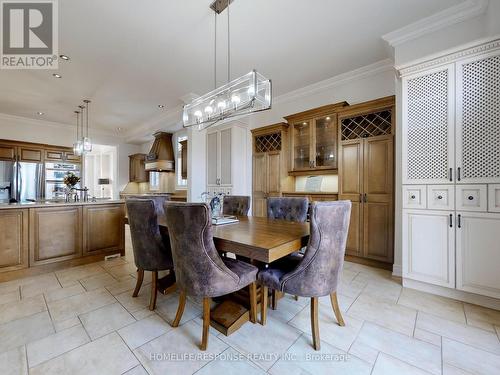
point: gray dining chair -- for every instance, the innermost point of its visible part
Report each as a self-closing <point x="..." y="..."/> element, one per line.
<point x="290" y="209"/>
<point x="238" y="205"/>
<point x="150" y="246"/>
<point x="200" y="271"/>
<point x="318" y="272"/>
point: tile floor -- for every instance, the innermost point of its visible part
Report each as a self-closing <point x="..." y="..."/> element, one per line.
<point x="83" y="320"/>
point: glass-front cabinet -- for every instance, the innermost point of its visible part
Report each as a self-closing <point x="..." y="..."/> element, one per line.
<point x="314" y="139"/>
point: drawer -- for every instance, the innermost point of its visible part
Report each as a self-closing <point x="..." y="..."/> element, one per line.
<point x="494" y="198"/>
<point x="414" y="196"/>
<point x="471" y="198"/>
<point x="440" y="197"/>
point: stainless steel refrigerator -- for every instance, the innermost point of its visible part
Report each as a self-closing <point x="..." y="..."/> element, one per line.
<point x="20" y="181"/>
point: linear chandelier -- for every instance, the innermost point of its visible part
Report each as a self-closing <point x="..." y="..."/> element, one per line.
<point x="247" y="94"/>
<point x="83" y="143"/>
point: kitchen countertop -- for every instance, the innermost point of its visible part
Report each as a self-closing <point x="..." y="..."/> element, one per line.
<point x="4" y="206"/>
<point x="311" y="192"/>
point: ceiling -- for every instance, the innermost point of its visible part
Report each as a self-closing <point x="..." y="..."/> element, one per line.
<point x="128" y="56"/>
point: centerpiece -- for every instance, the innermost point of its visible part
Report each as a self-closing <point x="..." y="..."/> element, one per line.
<point x="71" y="180"/>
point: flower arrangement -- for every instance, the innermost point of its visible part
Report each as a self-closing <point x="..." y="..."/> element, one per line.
<point x="71" y="179"/>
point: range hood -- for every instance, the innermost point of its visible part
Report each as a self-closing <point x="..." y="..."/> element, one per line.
<point x="161" y="156"/>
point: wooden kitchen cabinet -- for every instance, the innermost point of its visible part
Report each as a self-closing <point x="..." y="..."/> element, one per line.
<point x="313" y="140"/>
<point x="55" y="234"/>
<point x="30" y="154"/>
<point x="103" y="228"/>
<point x="13" y="239"/>
<point x="7" y="152"/>
<point x="184" y="159"/>
<point x="137" y="168"/>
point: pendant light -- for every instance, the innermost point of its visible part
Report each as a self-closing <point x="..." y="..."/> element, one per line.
<point x="87" y="143"/>
<point x="78" y="145"/>
<point x="247" y="94"/>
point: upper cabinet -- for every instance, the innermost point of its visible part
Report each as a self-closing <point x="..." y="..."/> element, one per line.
<point x="313" y="139"/>
<point x="137" y="169"/>
<point x="34" y="152"/>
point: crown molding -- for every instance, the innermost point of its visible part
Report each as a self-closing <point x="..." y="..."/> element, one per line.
<point x="450" y="16"/>
<point x="341" y="79"/>
<point x="467" y="50"/>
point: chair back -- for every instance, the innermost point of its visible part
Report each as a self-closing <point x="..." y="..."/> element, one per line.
<point x="288" y="208"/>
<point x="199" y="269"/>
<point x="158" y="200"/>
<point x="151" y="248"/>
<point x="319" y="271"/>
<point x="236" y="205"/>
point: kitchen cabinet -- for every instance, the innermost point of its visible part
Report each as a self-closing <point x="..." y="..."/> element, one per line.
<point x="366" y="178"/>
<point x="103" y="228"/>
<point x="137" y="169"/>
<point x="184" y="159"/>
<point x="7" y="152"/>
<point x="13" y="239"/>
<point x="313" y="139"/>
<point x="270" y="165"/>
<point x="62" y="156"/>
<point x="30" y="154"/>
<point x="55" y="234"/>
<point x="225" y="159"/>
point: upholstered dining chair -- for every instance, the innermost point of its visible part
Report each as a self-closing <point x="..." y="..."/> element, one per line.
<point x="236" y="205"/>
<point x="200" y="271"/>
<point x="151" y="248"/>
<point x="318" y="272"/>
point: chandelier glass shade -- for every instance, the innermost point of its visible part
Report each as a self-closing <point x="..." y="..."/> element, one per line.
<point x="243" y="95"/>
<point x="83" y="143"/>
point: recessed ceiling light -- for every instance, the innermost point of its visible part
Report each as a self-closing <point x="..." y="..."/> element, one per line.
<point x="40" y="113"/>
<point x="57" y="75"/>
<point x="119" y="129"/>
<point x="304" y="123"/>
<point x="328" y="118"/>
<point x="161" y="106"/>
<point x="64" y="57"/>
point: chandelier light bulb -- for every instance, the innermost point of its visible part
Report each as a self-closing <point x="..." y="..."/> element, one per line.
<point x="209" y="110"/>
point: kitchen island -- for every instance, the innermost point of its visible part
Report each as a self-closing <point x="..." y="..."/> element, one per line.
<point x="36" y="237"/>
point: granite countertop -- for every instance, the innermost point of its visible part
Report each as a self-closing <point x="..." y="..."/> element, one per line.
<point x="4" y="206"/>
<point x="311" y="192"/>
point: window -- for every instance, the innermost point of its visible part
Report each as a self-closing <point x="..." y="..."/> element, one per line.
<point x="181" y="182"/>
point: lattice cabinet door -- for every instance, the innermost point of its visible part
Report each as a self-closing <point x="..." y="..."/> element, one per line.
<point x="428" y="126"/>
<point x="478" y="119"/>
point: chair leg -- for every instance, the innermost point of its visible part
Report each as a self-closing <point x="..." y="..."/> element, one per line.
<point x="180" y="309"/>
<point x="296" y="298"/>
<point x="140" y="278"/>
<point x="253" y="302"/>
<point x="274" y="299"/>
<point x="336" y="309"/>
<point x="154" y="290"/>
<point x="206" y="323"/>
<point x="314" y="323"/>
<point x="263" y="306"/>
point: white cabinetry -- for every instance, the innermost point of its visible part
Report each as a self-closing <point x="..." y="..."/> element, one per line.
<point x="451" y="171"/>
<point x="226" y="159"/>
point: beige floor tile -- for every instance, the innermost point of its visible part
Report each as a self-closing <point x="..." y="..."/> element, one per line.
<point x="9" y="287"/>
<point x="352" y="289"/>
<point x="105" y="320"/>
<point x="407" y="349"/>
<point x="22" y="308"/>
<point x="287" y="309"/>
<point x="469" y="358"/>
<point x="476" y="313"/>
<point x="61" y="325"/>
<point x="344" y="301"/>
<point x="328" y="360"/>
<point x="54" y="345"/>
<point x="384" y="313"/>
<point x="75" y="305"/>
<point x="133" y="304"/>
<point x="55" y="295"/>
<point x="97" y="281"/>
<point x="427" y="336"/>
<point x="181" y="342"/>
<point x="348" y="275"/>
<point x="123" y="284"/>
<point x="469" y="335"/>
<point x="436" y="305"/>
<point x="270" y="340"/>
<point x="143" y="313"/>
<point x="364" y="352"/>
<point x="10" y="297"/>
<point x="138" y="370"/>
<point x="329" y="330"/>
<point x="387" y="365"/>
<point x="383" y="288"/>
<point x="13" y="362"/>
<point x="168" y="308"/>
<point x="481" y="324"/>
<point x="44" y="283"/>
<point x="112" y="262"/>
<point x="22" y="331"/>
<point x="70" y="276"/>
<point x="147" y="329"/>
<point x="122" y="270"/>
<point x="230" y="362"/>
<point x="108" y="355"/>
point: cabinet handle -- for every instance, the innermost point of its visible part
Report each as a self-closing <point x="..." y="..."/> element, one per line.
<point x="451" y="174"/>
<point x="440" y="197"/>
<point x="413" y="197"/>
<point x="360" y="199"/>
<point x="365" y="198"/>
<point x="470" y="197"/>
<point x="459" y="221"/>
<point x="451" y="221"/>
<point x="458" y="174"/>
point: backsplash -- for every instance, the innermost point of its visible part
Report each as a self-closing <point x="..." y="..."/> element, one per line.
<point x="329" y="184"/>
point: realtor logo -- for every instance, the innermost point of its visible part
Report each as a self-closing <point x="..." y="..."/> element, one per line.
<point x="29" y="37"/>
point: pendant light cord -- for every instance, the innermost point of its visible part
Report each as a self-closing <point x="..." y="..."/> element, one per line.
<point x="228" y="45"/>
<point x="88" y="103"/>
<point x="215" y="51"/>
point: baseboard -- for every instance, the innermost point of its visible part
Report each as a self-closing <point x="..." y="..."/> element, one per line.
<point x="397" y="270"/>
<point x="460" y="295"/>
<point x="368" y="262"/>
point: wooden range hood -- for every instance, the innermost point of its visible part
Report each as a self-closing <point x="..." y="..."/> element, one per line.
<point x="161" y="157"/>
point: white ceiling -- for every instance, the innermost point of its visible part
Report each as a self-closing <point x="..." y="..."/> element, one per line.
<point x="128" y="56"/>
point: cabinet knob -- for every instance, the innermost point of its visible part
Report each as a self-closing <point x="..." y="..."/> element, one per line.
<point x="413" y="197"/>
<point x="440" y="197"/>
<point x="470" y="197"/>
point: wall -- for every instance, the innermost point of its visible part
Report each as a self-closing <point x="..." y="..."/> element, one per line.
<point x="31" y="130"/>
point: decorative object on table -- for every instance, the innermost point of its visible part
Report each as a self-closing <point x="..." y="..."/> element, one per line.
<point x="71" y="180"/>
<point x="102" y="182"/>
<point x="216" y="203"/>
<point x="247" y="94"/>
